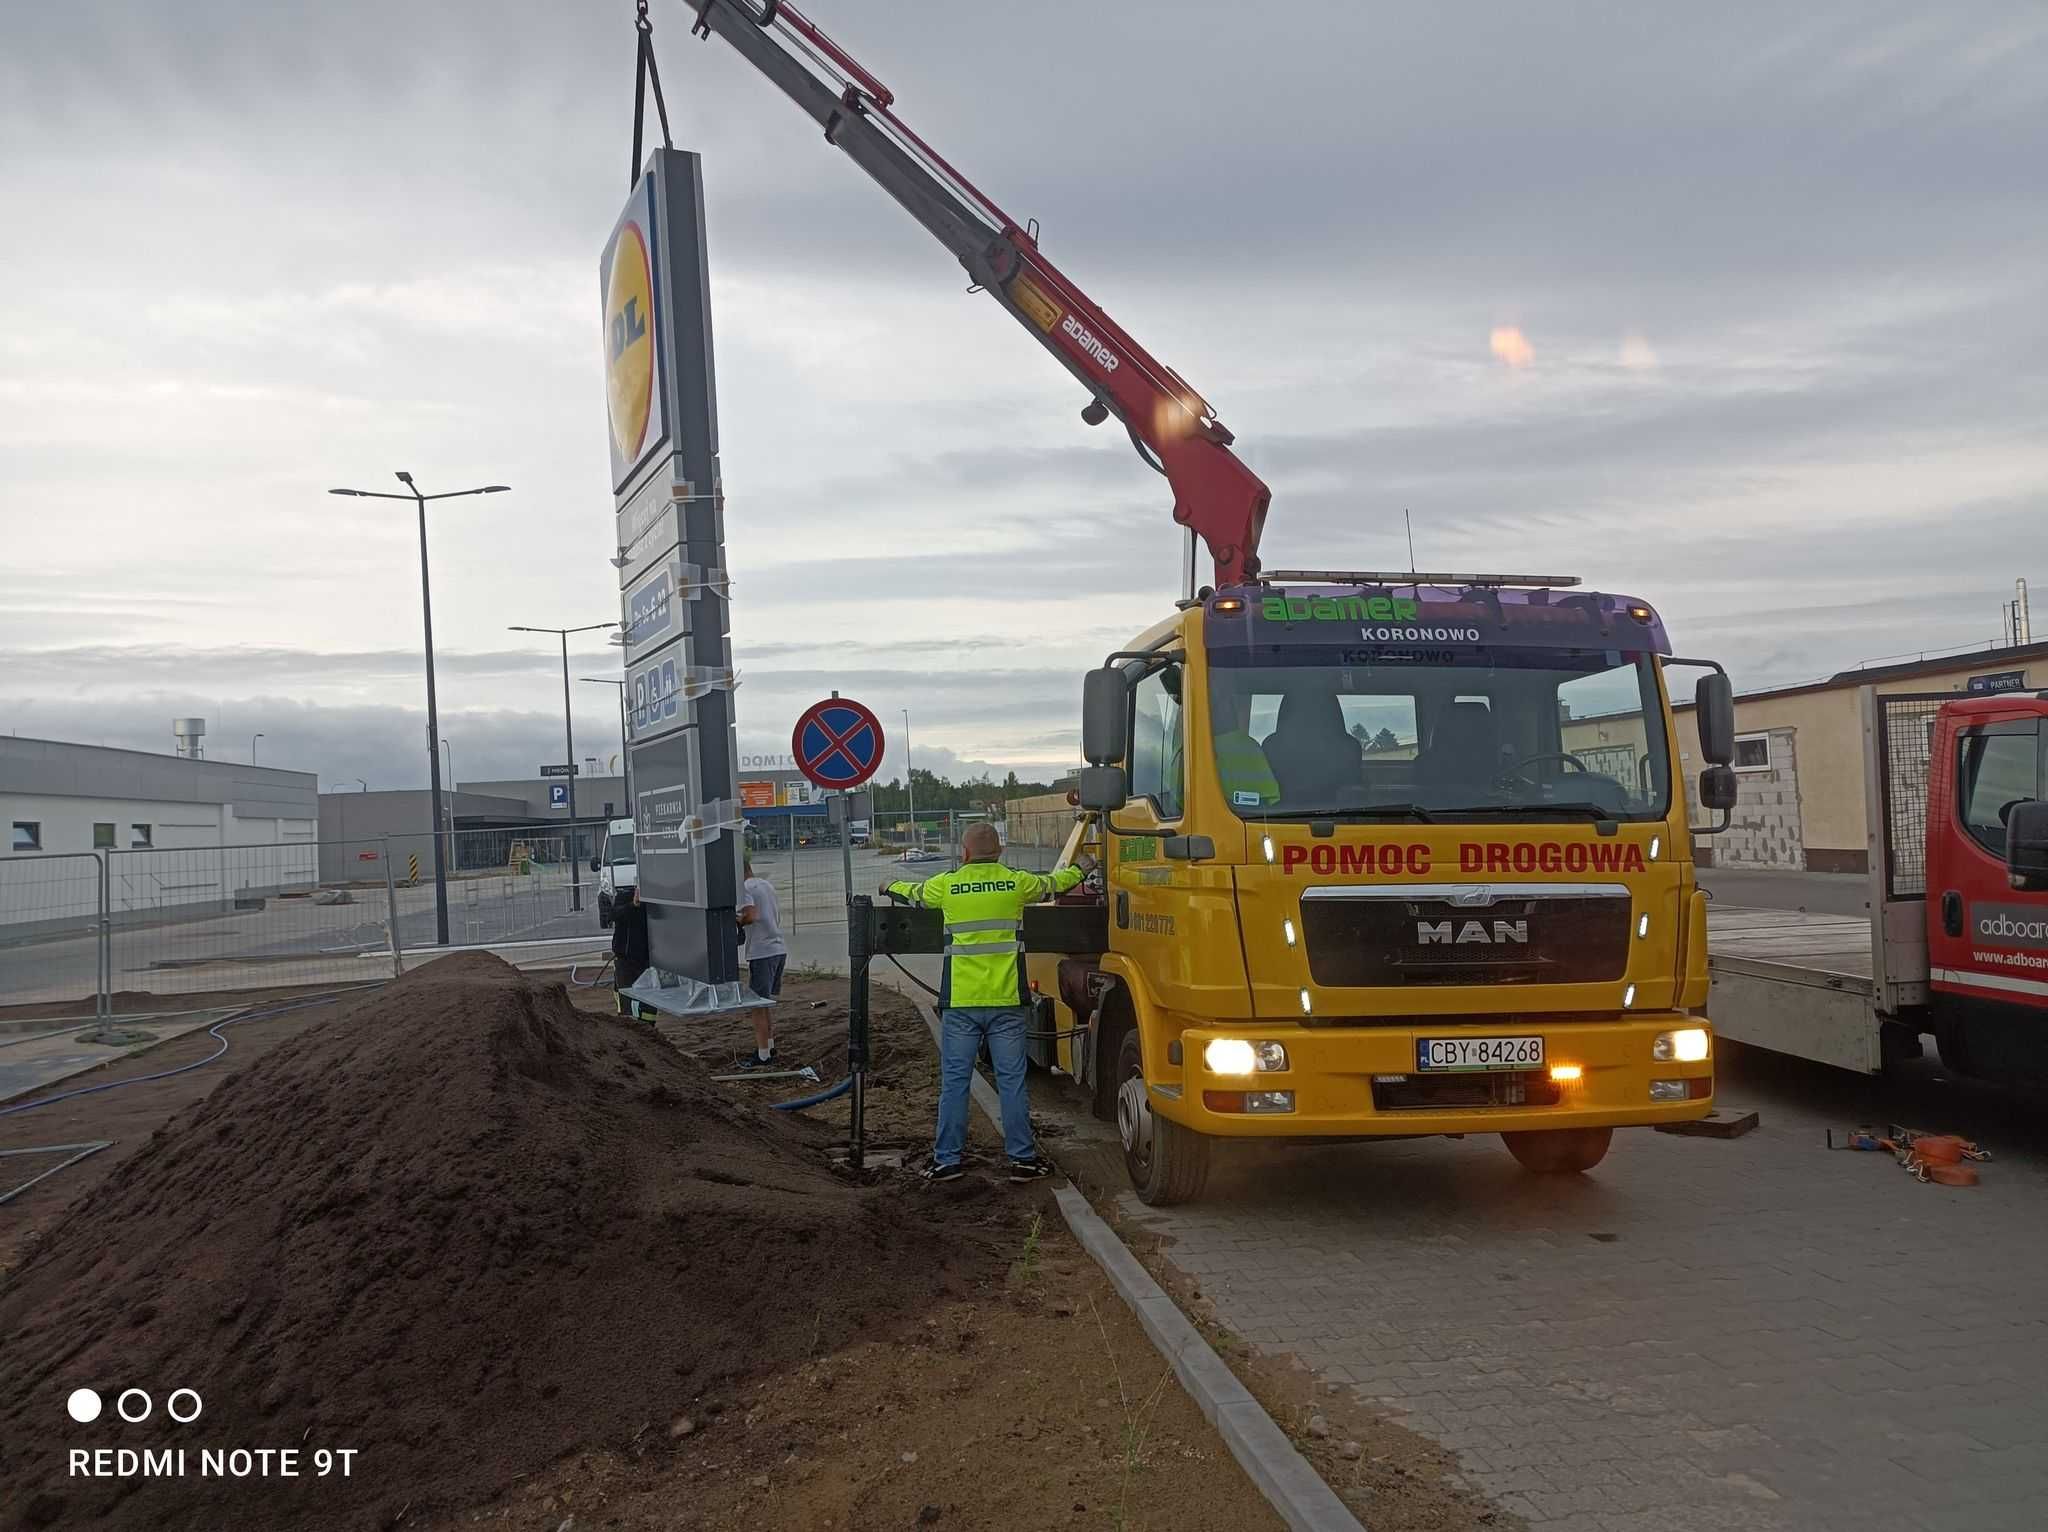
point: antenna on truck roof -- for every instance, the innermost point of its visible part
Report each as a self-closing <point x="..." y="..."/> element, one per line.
<point x="1410" y="577"/>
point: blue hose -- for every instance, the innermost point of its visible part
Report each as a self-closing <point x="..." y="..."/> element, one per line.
<point x="820" y="1099"/>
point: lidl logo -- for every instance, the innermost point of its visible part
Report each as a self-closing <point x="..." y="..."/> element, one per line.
<point x="629" y="343"/>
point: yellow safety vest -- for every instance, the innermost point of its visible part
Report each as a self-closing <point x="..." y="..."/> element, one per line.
<point x="983" y="905"/>
<point x="1242" y="766"/>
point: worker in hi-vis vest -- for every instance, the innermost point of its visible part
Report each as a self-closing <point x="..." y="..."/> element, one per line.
<point x="983" y="994"/>
<point x="1241" y="765"/>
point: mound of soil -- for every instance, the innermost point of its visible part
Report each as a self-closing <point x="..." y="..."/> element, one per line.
<point x="460" y="1228"/>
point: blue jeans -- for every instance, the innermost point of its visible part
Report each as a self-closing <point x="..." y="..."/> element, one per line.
<point x="960" y="1041"/>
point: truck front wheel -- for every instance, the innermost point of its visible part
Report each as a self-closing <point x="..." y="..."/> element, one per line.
<point x="1166" y="1162"/>
<point x="1559" y="1151"/>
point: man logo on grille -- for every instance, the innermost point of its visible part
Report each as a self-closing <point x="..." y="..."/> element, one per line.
<point x="1438" y="933"/>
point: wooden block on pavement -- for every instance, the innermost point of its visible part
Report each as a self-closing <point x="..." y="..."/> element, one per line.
<point x="1722" y="1122"/>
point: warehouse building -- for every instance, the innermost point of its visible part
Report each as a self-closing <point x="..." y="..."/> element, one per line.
<point x="494" y="825"/>
<point x="775" y="799"/>
<point x="180" y="835"/>
<point x="782" y="808"/>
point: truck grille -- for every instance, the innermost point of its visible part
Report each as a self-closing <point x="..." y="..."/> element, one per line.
<point x="1422" y="1093"/>
<point x="1391" y="941"/>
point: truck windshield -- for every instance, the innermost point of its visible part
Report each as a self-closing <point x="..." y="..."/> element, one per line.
<point x="618" y="849"/>
<point x="1533" y="733"/>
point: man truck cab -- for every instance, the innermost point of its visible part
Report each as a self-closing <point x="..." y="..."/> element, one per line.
<point x="1359" y="884"/>
<point x="616" y="868"/>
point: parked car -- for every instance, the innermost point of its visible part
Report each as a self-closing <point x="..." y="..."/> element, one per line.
<point x="617" y="868"/>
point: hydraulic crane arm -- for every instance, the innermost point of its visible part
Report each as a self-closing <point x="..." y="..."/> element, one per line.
<point x="1215" y="495"/>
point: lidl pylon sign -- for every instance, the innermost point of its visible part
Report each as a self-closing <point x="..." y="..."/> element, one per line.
<point x="668" y="523"/>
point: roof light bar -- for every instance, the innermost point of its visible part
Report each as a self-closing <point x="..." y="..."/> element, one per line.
<point x="1410" y="577"/>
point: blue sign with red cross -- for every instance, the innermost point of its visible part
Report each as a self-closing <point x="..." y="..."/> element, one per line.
<point x="837" y="744"/>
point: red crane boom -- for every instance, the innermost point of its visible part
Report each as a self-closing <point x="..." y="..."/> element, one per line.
<point x="1215" y="495"/>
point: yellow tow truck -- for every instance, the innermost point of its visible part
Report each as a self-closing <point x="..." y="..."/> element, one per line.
<point x="1357" y="885"/>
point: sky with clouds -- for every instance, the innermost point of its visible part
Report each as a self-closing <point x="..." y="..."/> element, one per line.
<point x="1740" y="308"/>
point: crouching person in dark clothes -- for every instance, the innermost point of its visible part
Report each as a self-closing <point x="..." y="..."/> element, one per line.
<point x="629" y="947"/>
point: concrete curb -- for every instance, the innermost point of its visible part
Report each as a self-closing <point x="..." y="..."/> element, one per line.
<point x="1291" y="1486"/>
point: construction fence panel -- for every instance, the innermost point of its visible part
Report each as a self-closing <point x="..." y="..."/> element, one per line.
<point x="1032" y="841"/>
<point x="512" y="886"/>
<point x="126" y="925"/>
<point x="50" y="928"/>
<point x="205" y="919"/>
<point x="810" y="879"/>
<point x="809" y="875"/>
<point x="913" y="850"/>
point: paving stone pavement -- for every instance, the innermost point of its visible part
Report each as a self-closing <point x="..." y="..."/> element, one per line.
<point x="1752" y="1335"/>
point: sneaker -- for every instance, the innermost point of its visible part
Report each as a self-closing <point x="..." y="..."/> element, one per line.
<point x="755" y="1061"/>
<point x="1022" y="1172"/>
<point x="936" y="1173"/>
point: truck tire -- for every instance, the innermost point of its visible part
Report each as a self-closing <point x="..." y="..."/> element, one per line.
<point x="1559" y="1151"/>
<point x="1112" y="1019"/>
<point x="1166" y="1162"/>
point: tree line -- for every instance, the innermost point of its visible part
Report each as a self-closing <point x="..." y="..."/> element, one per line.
<point x="935" y="793"/>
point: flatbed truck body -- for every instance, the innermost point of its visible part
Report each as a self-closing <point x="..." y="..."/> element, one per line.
<point x="1955" y="941"/>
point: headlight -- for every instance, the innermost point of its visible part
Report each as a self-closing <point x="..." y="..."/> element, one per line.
<point x="1688" y="1046"/>
<point x="1235" y="1056"/>
<point x="1229" y="1056"/>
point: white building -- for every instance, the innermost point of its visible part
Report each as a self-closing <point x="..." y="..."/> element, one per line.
<point x="176" y="833"/>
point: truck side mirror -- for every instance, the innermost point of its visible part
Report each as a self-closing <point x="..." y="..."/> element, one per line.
<point x="1105" y="718"/>
<point x="1102" y="789"/>
<point x="2026" y="844"/>
<point x="1714" y="714"/>
<point x="1717" y="796"/>
<point x="597" y="863"/>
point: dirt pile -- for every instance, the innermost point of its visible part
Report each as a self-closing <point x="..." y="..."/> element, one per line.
<point x="461" y="1229"/>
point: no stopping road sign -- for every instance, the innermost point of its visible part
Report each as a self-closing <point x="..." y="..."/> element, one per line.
<point x="837" y="743"/>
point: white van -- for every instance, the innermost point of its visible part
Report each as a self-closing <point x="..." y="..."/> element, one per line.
<point x="615" y="867"/>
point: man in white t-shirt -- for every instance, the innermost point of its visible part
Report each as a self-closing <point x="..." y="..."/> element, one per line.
<point x="767" y="952"/>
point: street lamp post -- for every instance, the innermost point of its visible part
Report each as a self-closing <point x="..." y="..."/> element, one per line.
<point x="910" y="783"/>
<point x="433" y="711"/>
<point x="625" y="748"/>
<point x="366" y="785"/>
<point x="252" y="747"/>
<point x="569" y="744"/>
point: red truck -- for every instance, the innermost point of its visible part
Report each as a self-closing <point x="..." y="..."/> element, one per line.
<point x="1956" y="942"/>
